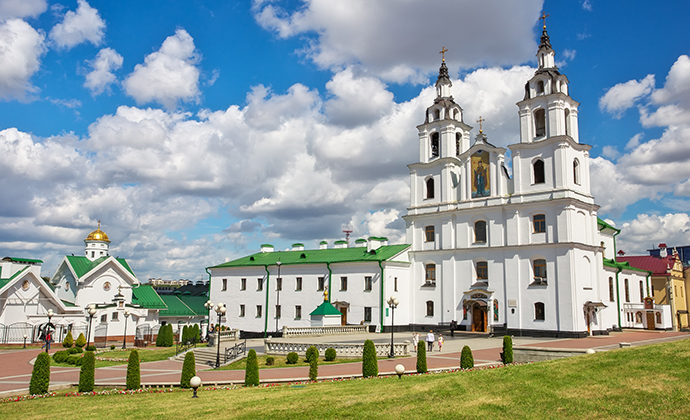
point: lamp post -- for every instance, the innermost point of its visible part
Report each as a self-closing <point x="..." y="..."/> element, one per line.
<point x="92" y="312"/>
<point x="195" y="383"/>
<point x="393" y="303"/>
<point x="124" y="339"/>
<point x="25" y="337"/>
<point x="279" y="285"/>
<point x="50" y="315"/>
<point x="220" y="310"/>
<point x="208" y="305"/>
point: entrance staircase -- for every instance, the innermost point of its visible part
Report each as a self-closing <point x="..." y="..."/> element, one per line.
<point x="207" y="355"/>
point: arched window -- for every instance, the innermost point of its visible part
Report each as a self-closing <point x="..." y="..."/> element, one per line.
<point x="611" y="290"/>
<point x="429" y="308"/>
<point x="434" y="145"/>
<point x="539" y="270"/>
<point x="429" y="235"/>
<point x="456" y="114"/>
<point x="539" y="223"/>
<point x="576" y="171"/>
<point x="627" y="291"/>
<point x="567" y="122"/>
<point x="638" y="317"/>
<point x="539" y="177"/>
<point x="480" y="231"/>
<point x="641" y="291"/>
<point x="437" y="114"/>
<point x="430" y="188"/>
<point x="483" y="271"/>
<point x="430" y="275"/>
<point x="540" y="87"/>
<point x="539" y="311"/>
<point x="658" y="317"/>
<point x="539" y="123"/>
<point x="457" y="144"/>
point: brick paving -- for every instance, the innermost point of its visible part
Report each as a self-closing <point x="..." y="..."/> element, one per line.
<point x="15" y="369"/>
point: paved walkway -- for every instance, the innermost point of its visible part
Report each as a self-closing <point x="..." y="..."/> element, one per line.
<point x="15" y="372"/>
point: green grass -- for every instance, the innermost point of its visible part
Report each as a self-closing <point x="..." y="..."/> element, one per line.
<point x="145" y="355"/>
<point x="279" y="362"/>
<point x="650" y="382"/>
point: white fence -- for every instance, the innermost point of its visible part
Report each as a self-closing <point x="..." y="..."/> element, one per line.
<point x="227" y="335"/>
<point x="315" y="331"/>
<point x="344" y="350"/>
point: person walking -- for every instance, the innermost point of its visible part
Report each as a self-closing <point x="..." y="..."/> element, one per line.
<point x="415" y="340"/>
<point x="48" y="338"/>
<point x="440" y="342"/>
<point x="430" y="338"/>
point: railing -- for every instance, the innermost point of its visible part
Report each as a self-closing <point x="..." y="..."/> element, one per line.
<point x="344" y="350"/>
<point x="334" y="330"/>
<point x="234" y="352"/>
<point x="226" y="335"/>
<point x="183" y="347"/>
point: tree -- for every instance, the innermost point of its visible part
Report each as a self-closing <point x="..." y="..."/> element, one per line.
<point x="370" y="365"/>
<point x="188" y="370"/>
<point x="184" y="337"/>
<point x="68" y="341"/>
<point x="421" y="358"/>
<point x="312" y="353"/>
<point x="81" y="341"/>
<point x="507" y="354"/>
<point x="40" y="376"/>
<point x="251" y="374"/>
<point x="133" y="371"/>
<point x="466" y="359"/>
<point x="197" y="334"/>
<point x="87" y="372"/>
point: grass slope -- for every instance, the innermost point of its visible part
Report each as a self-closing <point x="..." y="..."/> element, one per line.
<point x="647" y="382"/>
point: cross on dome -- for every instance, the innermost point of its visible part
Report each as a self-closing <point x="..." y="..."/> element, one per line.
<point x="480" y="121"/>
<point x="543" y="17"/>
<point x="443" y="52"/>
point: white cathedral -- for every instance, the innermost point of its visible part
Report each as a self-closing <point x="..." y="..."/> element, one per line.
<point x="524" y="255"/>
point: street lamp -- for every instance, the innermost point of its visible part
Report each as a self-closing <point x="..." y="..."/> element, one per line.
<point x="195" y="383"/>
<point x="279" y="285"/>
<point x="220" y="310"/>
<point x="92" y="312"/>
<point x="124" y="339"/>
<point x="393" y="303"/>
<point x="25" y="337"/>
<point x="50" y="315"/>
<point x="208" y="305"/>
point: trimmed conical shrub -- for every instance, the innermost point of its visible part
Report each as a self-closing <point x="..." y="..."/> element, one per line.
<point x="370" y="365"/>
<point x="507" y="355"/>
<point x="133" y="371"/>
<point x="466" y="359"/>
<point x="196" y="331"/>
<point x="313" y="358"/>
<point x="159" y="337"/>
<point x="188" y="370"/>
<point x="184" y="336"/>
<point x="68" y="341"/>
<point x="251" y="374"/>
<point x="421" y="358"/>
<point x="81" y="341"/>
<point x="40" y="376"/>
<point x="87" y="372"/>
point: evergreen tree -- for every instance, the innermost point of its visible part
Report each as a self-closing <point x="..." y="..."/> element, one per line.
<point x="421" y="358"/>
<point x="370" y="365"/>
<point x="251" y="374"/>
<point x="170" y="337"/>
<point x="312" y="353"/>
<point x="507" y="354"/>
<point x="466" y="359"/>
<point x="40" y="376"/>
<point x="87" y="372"/>
<point x="188" y="370"/>
<point x="159" y="337"/>
<point x="197" y="334"/>
<point x="68" y="341"/>
<point x="133" y="371"/>
<point x="184" y="337"/>
<point x="81" y="341"/>
<point x="314" y="364"/>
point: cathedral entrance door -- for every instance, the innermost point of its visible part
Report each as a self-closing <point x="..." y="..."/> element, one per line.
<point x="650" y="321"/>
<point x="343" y="317"/>
<point x="478" y="318"/>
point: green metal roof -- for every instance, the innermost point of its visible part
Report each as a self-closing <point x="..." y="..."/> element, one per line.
<point x="175" y="307"/>
<point x="622" y="265"/>
<point x="317" y="256"/>
<point x="195" y="303"/>
<point x="4" y="282"/>
<point x="603" y="225"/>
<point x="20" y="260"/>
<point x="68" y="304"/>
<point x="326" y="308"/>
<point x="82" y="265"/>
<point x="145" y="296"/>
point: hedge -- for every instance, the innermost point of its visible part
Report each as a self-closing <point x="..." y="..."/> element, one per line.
<point x="188" y="370"/>
<point x="87" y="372"/>
<point x="251" y="374"/>
<point x="61" y="356"/>
<point x="133" y="371"/>
<point x="74" y="359"/>
<point x="68" y="341"/>
<point x="466" y="359"/>
<point x="370" y="365"/>
<point x="421" y="358"/>
<point x="40" y="376"/>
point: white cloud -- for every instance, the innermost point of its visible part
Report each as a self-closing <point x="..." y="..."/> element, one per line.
<point x="10" y="9"/>
<point x="673" y="99"/>
<point x="610" y="152"/>
<point x="634" y="141"/>
<point x="624" y="95"/>
<point x="662" y="161"/>
<point x="359" y="100"/>
<point x="77" y="27"/>
<point x="101" y="76"/>
<point x="168" y="75"/>
<point x="380" y="37"/>
<point x="587" y="5"/>
<point x="649" y="230"/>
<point x="21" y="48"/>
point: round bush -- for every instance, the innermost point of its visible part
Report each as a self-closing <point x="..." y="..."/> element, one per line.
<point x="292" y="358"/>
<point x="270" y="361"/>
<point x="87" y="372"/>
<point x="466" y="359"/>
<point x="312" y="352"/>
<point x="68" y="341"/>
<point x="421" y="358"/>
<point x="112" y="347"/>
<point x="75" y="359"/>
<point x="73" y="350"/>
<point x="330" y="354"/>
<point x="188" y="370"/>
<point x="91" y="347"/>
<point x="61" y="356"/>
<point x="370" y="365"/>
<point x="40" y="376"/>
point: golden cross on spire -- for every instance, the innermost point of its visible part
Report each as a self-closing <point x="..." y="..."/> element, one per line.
<point x="443" y="53"/>
<point x="543" y="17"/>
<point x="480" y="121"/>
<point x="99" y="224"/>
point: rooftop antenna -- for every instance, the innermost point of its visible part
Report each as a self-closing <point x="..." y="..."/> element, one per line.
<point x="347" y="230"/>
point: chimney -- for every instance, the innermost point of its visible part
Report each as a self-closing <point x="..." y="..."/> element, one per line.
<point x="298" y="247"/>
<point x="340" y="244"/>
<point x="374" y="243"/>
<point x="663" y="253"/>
<point x="323" y="245"/>
<point x="359" y="243"/>
<point x="266" y="248"/>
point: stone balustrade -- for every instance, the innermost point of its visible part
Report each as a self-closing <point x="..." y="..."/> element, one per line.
<point x="342" y="350"/>
<point x="227" y="335"/>
<point x="329" y="330"/>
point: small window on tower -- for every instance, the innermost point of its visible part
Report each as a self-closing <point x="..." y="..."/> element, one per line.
<point x="457" y="144"/>
<point x="430" y="188"/>
<point x="539" y="222"/>
<point x="434" y="145"/>
<point x="539" y="177"/>
<point x="576" y="171"/>
<point x="480" y="231"/>
<point x="429" y="233"/>
<point x="539" y="123"/>
<point x="540" y="87"/>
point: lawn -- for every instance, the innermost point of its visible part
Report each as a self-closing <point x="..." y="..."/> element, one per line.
<point x="280" y="362"/>
<point x="649" y="382"/>
<point x="145" y="355"/>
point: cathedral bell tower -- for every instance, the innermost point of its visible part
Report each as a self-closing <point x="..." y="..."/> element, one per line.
<point x="97" y="244"/>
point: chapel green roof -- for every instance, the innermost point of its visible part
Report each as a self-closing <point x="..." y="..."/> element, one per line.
<point x="175" y="307"/>
<point x="20" y="260"/>
<point x="603" y="225"/>
<point x="82" y="265"/>
<point x="195" y="303"/>
<point x="4" y="282"/>
<point x="145" y="296"/>
<point x="326" y="308"/>
<point x="68" y="304"/>
<point x="622" y="265"/>
<point x="317" y="256"/>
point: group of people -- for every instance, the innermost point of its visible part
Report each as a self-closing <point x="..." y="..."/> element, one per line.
<point x="430" y="340"/>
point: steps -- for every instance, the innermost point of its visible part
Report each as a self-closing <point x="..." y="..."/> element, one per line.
<point x="206" y="356"/>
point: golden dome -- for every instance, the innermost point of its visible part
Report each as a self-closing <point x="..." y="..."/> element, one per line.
<point x="98" y="235"/>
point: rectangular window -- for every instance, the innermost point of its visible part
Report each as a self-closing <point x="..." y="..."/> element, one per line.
<point x="539" y="311"/>
<point x="482" y="270"/>
<point x="627" y="291"/>
<point x="429" y="233"/>
<point x="540" y="269"/>
<point x="431" y="274"/>
<point x="114" y="317"/>
<point x="278" y="311"/>
<point x="259" y="284"/>
<point x="298" y="283"/>
<point x="429" y="308"/>
<point x="298" y="312"/>
<point x="279" y="283"/>
<point x="368" y="282"/>
<point x="104" y="318"/>
<point x="395" y="284"/>
<point x="343" y="283"/>
<point x="480" y="231"/>
<point x="539" y="222"/>
<point x="321" y="284"/>
<point x="258" y="311"/>
<point x="225" y="285"/>
<point x="367" y="314"/>
<point x="642" y="291"/>
<point x="243" y="284"/>
<point x="611" y="290"/>
<point x="241" y="310"/>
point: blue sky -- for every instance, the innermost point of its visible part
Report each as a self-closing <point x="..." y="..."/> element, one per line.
<point x="197" y="130"/>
